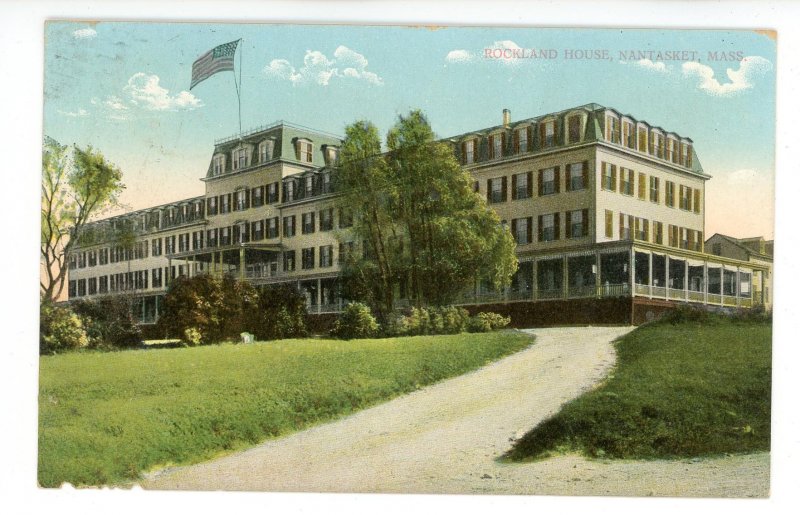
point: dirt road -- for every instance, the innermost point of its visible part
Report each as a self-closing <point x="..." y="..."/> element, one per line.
<point x="445" y="439"/>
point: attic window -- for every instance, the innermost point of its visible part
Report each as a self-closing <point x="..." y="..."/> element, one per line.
<point x="218" y="165"/>
<point x="574" y="125"/>
<point x="304" y="150"/>
<point x="240" y="158"/>
<point x="265" y="150"/>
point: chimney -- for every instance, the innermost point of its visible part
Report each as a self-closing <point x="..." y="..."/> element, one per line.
<point x="506" y="118"/>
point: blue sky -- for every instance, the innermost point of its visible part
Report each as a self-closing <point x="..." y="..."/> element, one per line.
<point x="123" y="87"/>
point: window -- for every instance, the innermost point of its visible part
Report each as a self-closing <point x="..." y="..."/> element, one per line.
<point x="574" y="128"/>
<point x="82" y="260"/>
<point x="628" y="138"/>
<point x="673" y="235"/>
<point x="346" y="250"/>
<point x="103" y="284"/>
<point x="609" y="224"/>
<point x="218" y="164"/>
<point x="658" y="232"/>
<point x="496" y="145"/>
<point x="211" y="237"/>
<point x="156" y="274"/>
<point x="288" y="190"/>
<point x="642" y="229"/>
<point x="103" y="255"/>
<point x="183" y="242"/>
<point x="325" y="256"/>
<point x="225" y="203"/>
<point x="92" y="258"/>
<point x="469" y="149"/>
<point x="642" y="186"/>
<point x="521" y="185"/>
<point x="325" y="184"/>
<point x="241" y="200"/>
<point x="684" y="238"/>
<point x="81" y="287"/>
<point x="257" y="196"/>
<point x="685" y="198"/>
<point x="272" y="193"/>
<point x="326" y="220"/>
<point x="272" y="227"/>
<point x="686" y="155"/>
<point x="225" y="236"/>
<point x="612" y="129"/>
<point x="521" y="138"/>
<point x="654" y="184"/>
<point x="307" y="259"/>
<point x="672" y="154"/>
<point x="257" y="229"/>
<point x="304" y="150"/>
<point x="496" y="190"/>
<point x="92" y="285"/>
<point x="609" y="177"/>
<point x="169" y="244"/>
<point x="549" y="227"/>
<point x="670" y="194"/>
<point x="308" y="184"/>
<point x="642" y="139"/>
<point x="578" y="176"/>
<point x="308" y="223"/>
<point x="265" y="151"/>
<point x="547" y="134"/>
<point x="345" y="218"/>
<point x="241" y="232"/>
<point x="549" y="181"/>
<point x="239" y="158"/>
<point x="657" y="145"/>
<point x="578" y="223"/>
<point x="521" y="230"/>
<point x="212" y="206"/>
<point x="288" y="261"/>
<point x="72" y="289"/>
<point x="625" y="226"/>
<point x="626" y="181"/>
<point x="288" y="226"/>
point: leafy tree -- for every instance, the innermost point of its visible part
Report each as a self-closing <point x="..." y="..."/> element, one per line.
<point x="109" y="322"/>
<point x="418" y="217"/>
<point x="77" y="184"/>
<point x="60" y="329"/>
<point x="281" y="312"/>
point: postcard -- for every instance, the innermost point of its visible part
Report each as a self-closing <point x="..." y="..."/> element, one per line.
<point x="407" y="259"/>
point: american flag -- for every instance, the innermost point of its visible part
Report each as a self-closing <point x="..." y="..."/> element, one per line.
<point x="219" y="59"/>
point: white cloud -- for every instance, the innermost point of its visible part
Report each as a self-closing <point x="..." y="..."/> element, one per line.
<point x="86" y="33"/>
<point x="459" y="56"/>
<point x="318" y="68"/>
<point x="750" y="68"/>
<point x="647" y="64"/>
<point x="115" y="103"/>
<point x="75" y="114"/>
<point x="145" y="91"/>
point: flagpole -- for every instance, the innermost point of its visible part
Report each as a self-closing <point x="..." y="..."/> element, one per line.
<point x="238" y="87"/>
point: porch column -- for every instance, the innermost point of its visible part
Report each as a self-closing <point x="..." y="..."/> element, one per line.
<point x="632" y="270"/>
<point x="169" y="272"/>
<point x="705" y="282"/>
<point x="666" y="275"/>
<point x="650" y="275"/>
<point x="598" y="283"/>
<point x="534" y="281"/>
<point x="213" y="263"/>
<point x="686" y="280"/>
<point x="738" y="286"/>
<point x="157" y="312"/>
<point x="722" y="285"/>
<point x="241" y="263"/>
<point x="565" y="276"/>
<point x="318" y="294"/>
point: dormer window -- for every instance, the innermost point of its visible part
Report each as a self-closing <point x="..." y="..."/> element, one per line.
<point x="521" y="138"/>
<point x="469" y="151"/>
<point x="628" y="134"/>
<point x="331" y="155"/>
<point x="574" y="128"/>
<point x="218" y="165"/>
<point x="612" y="129"/>
<point x="265" y="150"/>
<point x="686" y="155"/>
<point x="657" y="145"/>
<point x="240" y="158"/>
<point x="547" y="134"/>
<point x="643" y="139"/>
<point x="496" y="144"/>
<point x="304" y="150"/>
<point x="672" y="152"/>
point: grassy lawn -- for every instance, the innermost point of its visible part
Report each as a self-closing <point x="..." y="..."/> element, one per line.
<point x="680" y="390"/>
<point x="106" y="417"/>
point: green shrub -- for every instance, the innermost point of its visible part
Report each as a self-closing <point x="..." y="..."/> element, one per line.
<point x="454" y="319"/>
<point x="356" y="321"/>
<point x="421" y="321"/>
<point x="192" y="336"/>
<point x="109" y="322"/>
<point x="487" y="321"/>
<point x="60" y="329"/>
<point x="281" y="313"/>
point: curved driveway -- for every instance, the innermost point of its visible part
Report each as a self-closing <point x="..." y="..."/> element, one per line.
<point x="445" y="439"/>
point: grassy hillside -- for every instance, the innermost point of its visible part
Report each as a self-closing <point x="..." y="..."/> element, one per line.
<point x="107" y="417"/>
<point x="678" y="390"/>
